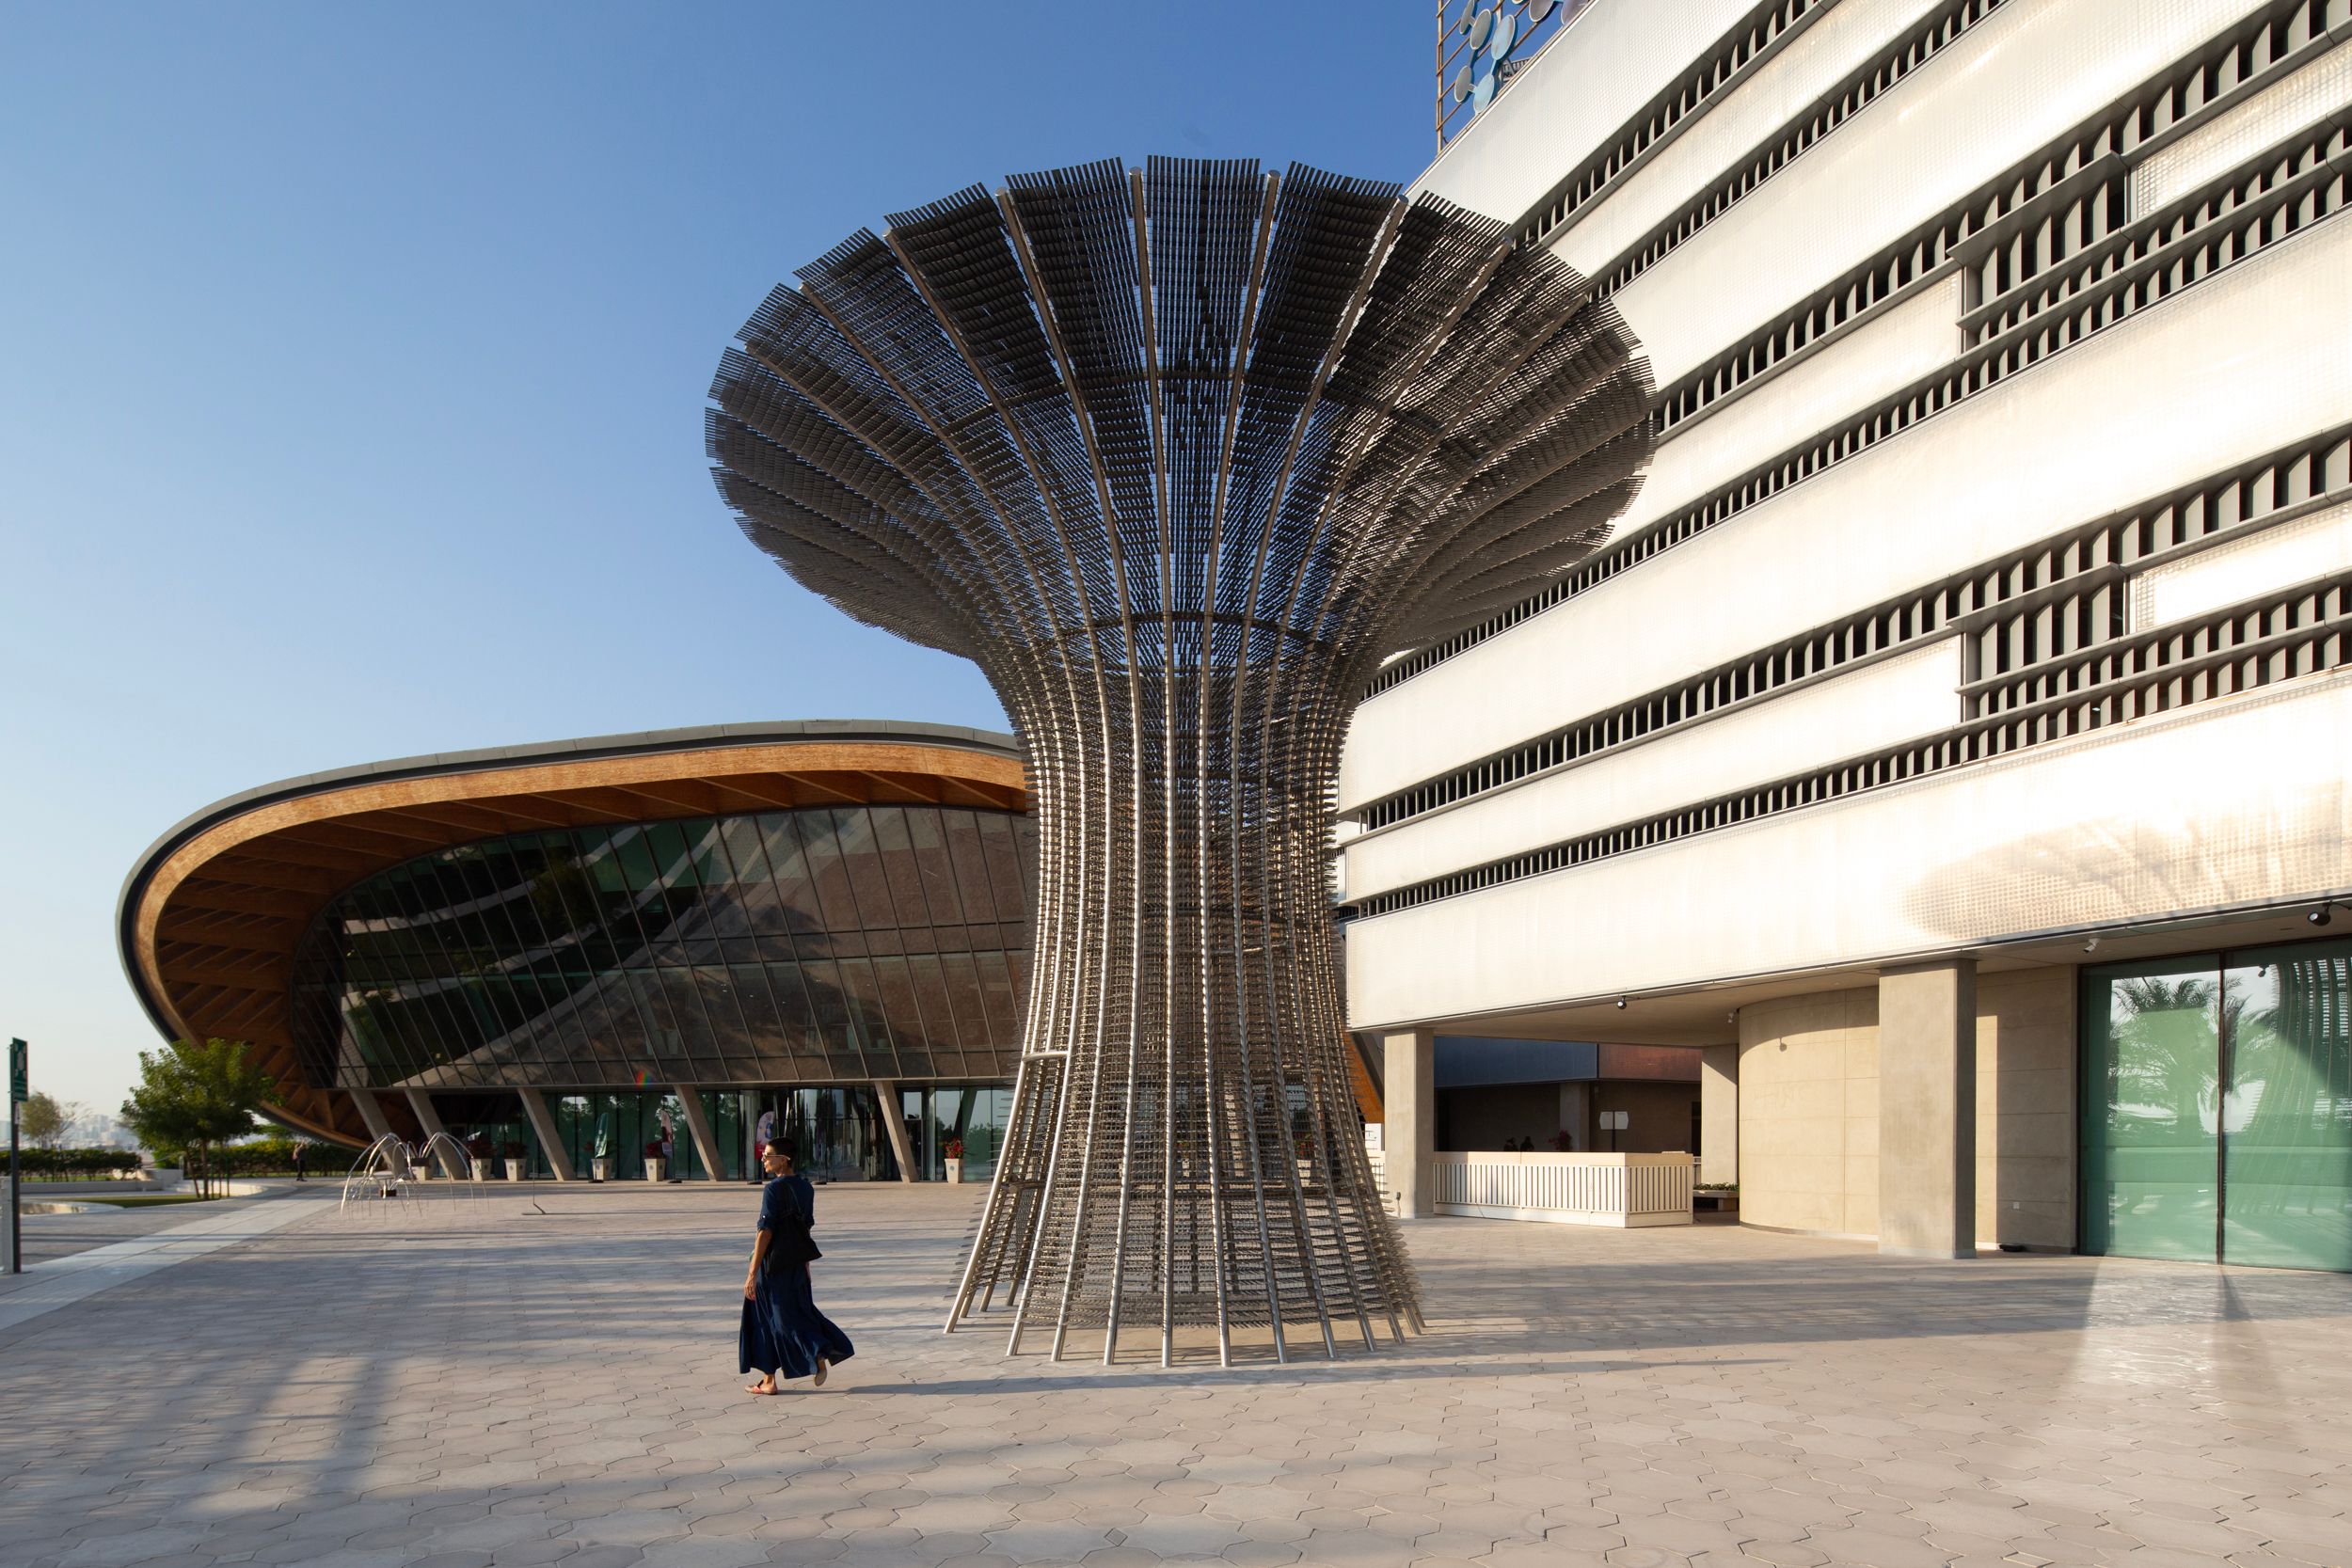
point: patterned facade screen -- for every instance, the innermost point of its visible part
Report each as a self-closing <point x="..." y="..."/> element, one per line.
<point x="823" y="945"/>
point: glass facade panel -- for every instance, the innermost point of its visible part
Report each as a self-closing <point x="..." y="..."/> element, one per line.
<point x="976" y="1114"/>
<point x="2217" y="1107"/>
<point x="837" y="1132"/>
<point x="775" y="947"/>
<point x="2151" y="1156"/>
<point x="2286" y="1176"/>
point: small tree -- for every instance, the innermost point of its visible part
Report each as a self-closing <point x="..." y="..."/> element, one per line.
<point x="193" y="1098"/>
<point x="44" y="1120"/>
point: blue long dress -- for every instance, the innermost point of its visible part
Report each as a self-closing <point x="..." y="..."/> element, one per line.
<point x="782" y="1331"/>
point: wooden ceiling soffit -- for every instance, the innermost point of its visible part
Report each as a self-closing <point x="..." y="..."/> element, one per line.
<point x="300" y="847"/>
<point x="373" y="833"/>
<point x="244" y="899"/>
<point x="679" y="797"/>
<point x="440" y="821"/>
<point x="261" y="979"/>
<point x="532" y="811"/>
<point x="227" y="929"/>
<point x="292" y="873"/>
<point x="765" y="791"/>
<point x="908" y="787"/>
<point x="828" y="789"/>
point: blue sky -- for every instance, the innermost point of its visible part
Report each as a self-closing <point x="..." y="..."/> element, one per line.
<point x="352" y="364"/>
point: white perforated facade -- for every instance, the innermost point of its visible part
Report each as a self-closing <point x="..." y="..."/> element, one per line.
<point x="1987" y="604"/>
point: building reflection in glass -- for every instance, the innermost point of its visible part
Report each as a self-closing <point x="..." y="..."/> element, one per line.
<point x="810" y="946"/>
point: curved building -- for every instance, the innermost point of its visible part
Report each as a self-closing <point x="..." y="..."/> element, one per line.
<point x="587" y="949"/>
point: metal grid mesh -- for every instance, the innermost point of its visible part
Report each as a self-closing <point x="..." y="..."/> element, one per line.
<point x="1178" y="455"/>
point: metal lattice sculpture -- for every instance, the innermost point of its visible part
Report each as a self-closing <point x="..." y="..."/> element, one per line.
<point x="1178" y="457"/>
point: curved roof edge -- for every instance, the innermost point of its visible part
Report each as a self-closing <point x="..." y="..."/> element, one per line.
<point x="703" y="738"/>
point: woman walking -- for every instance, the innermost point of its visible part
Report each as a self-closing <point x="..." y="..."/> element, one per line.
<point x="783" y="1334"/>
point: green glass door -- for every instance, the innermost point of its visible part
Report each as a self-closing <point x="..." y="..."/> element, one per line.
<point x="2287" y="1120"/>
<point x="2151" y="1149"/>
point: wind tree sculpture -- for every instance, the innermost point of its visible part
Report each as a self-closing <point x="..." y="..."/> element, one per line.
<point x="1178" y="455"/>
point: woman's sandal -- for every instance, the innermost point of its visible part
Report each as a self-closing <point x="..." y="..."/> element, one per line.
<point x="822" y="1368"/>
<point x="761" y="1389"/>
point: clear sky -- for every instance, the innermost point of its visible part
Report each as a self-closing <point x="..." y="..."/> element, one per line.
<point x="352" y="363"/>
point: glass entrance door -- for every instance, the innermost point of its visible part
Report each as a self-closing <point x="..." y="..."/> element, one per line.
<point x="2151" y="1066"/>
<point x="2286" y="1123"/>
<point x="2217" y="1107"/>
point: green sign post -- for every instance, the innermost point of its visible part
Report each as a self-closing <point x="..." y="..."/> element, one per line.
<point x="19" y="1090"/>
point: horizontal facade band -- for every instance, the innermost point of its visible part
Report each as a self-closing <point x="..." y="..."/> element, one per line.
<point x="2233" y="805"/>
<point x="2303" y="631"/>
<point x="2238" y="374"/>
<point x="2055" y="596"/>
<point x="1907" y="697"/>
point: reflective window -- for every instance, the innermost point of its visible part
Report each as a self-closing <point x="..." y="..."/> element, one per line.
<point x="765" y="948"/>
<point x="2151" y="1159"/>
<point x="2218" y="1117"/>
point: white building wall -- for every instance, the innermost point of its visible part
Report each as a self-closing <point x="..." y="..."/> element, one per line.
<point x="2223" y="802"/>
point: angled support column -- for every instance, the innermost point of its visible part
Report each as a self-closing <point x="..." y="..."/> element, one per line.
<point x="1928" y="1110"/>
<point x="1408" y="1086"/>
<point x="429" y="1120"/>
<point x="371" y="1112"/>
<point x="895" y="1123"/>
<point x="698" y="1125"/>
<point x="542" y="1127"/>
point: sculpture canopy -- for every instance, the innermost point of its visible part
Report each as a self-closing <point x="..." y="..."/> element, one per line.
<point x="1178" y="455"/>
<point x="1102" y="397"/>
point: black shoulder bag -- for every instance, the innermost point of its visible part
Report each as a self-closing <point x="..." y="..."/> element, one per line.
<point x="794" y="1245"/>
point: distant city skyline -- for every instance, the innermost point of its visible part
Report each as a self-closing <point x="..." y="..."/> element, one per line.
<point x="357" y="369"/>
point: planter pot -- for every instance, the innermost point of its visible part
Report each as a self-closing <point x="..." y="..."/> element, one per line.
<point x="955" y="1172"/>
<point x="514" y="1170"/>
<point x="654" y="1169"/>
<point x="599" y="1170"/>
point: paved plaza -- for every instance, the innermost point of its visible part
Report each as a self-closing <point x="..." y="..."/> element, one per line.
<point x="549" y="1377"/>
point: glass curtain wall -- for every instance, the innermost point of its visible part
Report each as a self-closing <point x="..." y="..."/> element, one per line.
<point x="2217" y="1107"/>
<point x="627" y="1129"/>
<point x="845" y="944"/>
<point x="836" y="1134"/>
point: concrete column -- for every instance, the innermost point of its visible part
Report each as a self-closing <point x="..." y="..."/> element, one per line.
<point x="1576" y="1117"/>
<point x="542" y="1127"/>
<point x="1408" y="1092"/>
<point x="429" y="1120"/>
<point x="1928" y="1110"/>
<point x="370" y="1113"/>
<point x="894" y="1123"/>
<point x="698" y="1128"/>
<point x="1719" y="1114"/>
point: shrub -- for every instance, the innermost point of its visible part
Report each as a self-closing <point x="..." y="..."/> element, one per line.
<point x="77" y="1164"/>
